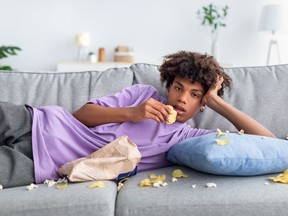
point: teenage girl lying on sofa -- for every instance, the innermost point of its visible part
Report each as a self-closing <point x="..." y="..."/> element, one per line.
<point x="35" y="142"/>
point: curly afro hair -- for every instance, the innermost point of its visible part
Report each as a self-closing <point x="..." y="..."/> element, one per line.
<point x="195" y="66"/>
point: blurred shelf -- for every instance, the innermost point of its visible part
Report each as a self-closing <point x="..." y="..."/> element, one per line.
<point x="88" y="66"/>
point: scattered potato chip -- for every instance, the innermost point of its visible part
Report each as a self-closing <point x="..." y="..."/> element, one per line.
<point x="31" y="186"/>
<point x="211" y="185"/>
<point x="62" y="183"/>
<point x="157" y="178"/>
<point x="62" y="180"/>
<point x="119" y="186"/>
<point x="123" y="180"/>
<point x="120" y="183"/>
<point x="145" y="183"/>
<point x="50" y="182"/>
<point x="281" y="178"/>
<point x="164" y="184"/>
<point x="220" y="133"/>
<point x="157" y="184"/>
<point x="154" y="180"/>
<point x="97" y="184"/>
<point x="177" y="173"/>
<point x="153" y="176"/>
<point x="241" y="132"/>
<point x="62" y="186"/>
<point x="174" y="179"/>
<point x="222" y="142"/>
<point x="172" y="117"/>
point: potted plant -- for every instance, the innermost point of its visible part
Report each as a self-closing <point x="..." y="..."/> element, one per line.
<point x="214" y="18"/>
<point x="6" y="51"/>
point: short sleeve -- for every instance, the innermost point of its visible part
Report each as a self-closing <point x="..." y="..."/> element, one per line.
<point x="130" y="96"/>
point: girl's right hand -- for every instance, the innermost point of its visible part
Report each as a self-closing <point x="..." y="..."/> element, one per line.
<point x="150" y="109"/>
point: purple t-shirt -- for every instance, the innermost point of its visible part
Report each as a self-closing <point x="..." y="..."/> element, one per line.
<point x="58" y="137"/>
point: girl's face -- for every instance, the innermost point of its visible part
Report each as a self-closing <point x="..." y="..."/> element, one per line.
<point x="185" y="97"/>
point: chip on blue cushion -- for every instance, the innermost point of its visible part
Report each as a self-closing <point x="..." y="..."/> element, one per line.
<point x="244" y="155"/>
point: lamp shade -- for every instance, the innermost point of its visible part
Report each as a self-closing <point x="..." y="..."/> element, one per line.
<point x="83" y="39"/>
<point x="272" y="18"/>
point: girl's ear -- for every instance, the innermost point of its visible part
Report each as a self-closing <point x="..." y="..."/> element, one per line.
<point x="202" y="108"/>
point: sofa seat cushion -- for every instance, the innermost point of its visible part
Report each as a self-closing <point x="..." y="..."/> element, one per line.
<point x="253" y="195"/>
<point x="240" y="155"/>
<point x="77" y="199"/>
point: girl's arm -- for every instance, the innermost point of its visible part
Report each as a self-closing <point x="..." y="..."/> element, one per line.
<point x="93" y="115"/>
<point x="239" y="119"/>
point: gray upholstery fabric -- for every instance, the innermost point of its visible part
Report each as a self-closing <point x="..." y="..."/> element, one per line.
<point x="259" y="91"/>
<point x="69" y="90"/>
<point x="148" y="74"/>
<point x="247" y="196"/>
<point x="77" y="199"/>
<point x="109" y="81"/>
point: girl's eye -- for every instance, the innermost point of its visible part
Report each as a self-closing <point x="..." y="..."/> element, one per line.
<point x="195" y="95"/>
<point x="178" y="88"/>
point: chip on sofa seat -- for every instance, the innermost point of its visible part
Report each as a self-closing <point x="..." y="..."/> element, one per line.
<point x="76" y="199"/>
<point x="232" y="195"/>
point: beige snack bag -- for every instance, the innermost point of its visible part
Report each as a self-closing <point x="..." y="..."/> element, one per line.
<point x="172" y="117"/>
<point x="118" y="158"/>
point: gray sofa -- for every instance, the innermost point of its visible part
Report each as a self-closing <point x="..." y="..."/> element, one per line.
<point x="261" y="92"/>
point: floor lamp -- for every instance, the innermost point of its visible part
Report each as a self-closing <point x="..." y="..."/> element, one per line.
<point x="272" y="20"/>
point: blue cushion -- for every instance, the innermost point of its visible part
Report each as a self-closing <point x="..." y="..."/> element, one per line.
<point x="243" y="155"/>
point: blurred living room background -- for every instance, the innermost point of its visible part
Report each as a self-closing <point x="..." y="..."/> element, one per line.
<point x="46" y="31"/>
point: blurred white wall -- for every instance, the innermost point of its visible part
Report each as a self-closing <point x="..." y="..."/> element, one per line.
<point x="45" y="30"/>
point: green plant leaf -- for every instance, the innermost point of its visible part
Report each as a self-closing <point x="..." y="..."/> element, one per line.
<point x="6" y="68"/>
<point x="213" y="17"/>
<point x="5" y="51"/>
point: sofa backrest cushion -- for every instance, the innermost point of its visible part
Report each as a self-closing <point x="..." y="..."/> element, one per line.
<point x="109" y="81"/>
<point x="67" y="89"/>
<point x="261" y="92"/>
<point x="148" y="74"/>
<point x="45" y="88"/>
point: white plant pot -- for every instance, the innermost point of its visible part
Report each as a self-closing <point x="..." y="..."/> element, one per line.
<point x="93" y="58"/>
<point x="215" y="50"/>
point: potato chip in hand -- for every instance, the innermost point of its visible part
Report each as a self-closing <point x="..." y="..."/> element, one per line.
<point x="172" y="117"/>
